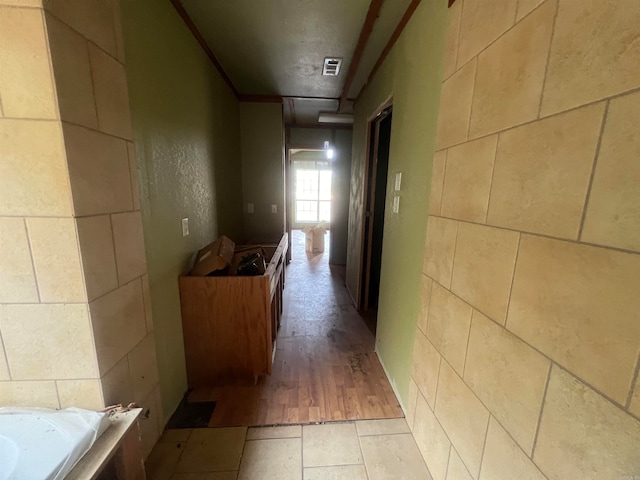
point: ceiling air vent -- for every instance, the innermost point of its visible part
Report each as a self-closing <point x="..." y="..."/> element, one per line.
<point x="332" y="66"/>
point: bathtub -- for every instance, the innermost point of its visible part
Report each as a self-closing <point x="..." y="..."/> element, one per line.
<point x="43" y="444"/>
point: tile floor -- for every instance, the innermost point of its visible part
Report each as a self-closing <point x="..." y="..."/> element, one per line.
<point x="360" y="450"/>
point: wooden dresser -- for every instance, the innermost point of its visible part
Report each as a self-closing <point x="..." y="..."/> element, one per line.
<point x="230" y="323"/>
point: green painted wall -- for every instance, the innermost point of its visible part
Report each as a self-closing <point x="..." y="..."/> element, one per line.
<point x="262" y="134"/>
<point x="186" y="130"/>
<point x="412" y="75"/>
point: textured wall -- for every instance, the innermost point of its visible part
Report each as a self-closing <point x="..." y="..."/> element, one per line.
<point x="262" y="134"/>
<point x="411" y="74"/>
<point x="526" y="353"/>
<point x="185" y="127"/>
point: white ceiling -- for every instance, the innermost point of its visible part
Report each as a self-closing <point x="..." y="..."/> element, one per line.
<point x="277" y="47"/>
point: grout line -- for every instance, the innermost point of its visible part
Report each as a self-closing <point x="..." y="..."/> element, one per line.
<point x="634" y="383"/>
<point x="473" y="92"/>
<point x="1" y="108"/>
<point x="435" y="397"/>
<point x="5" y="357"/>
<point x="33" y="262"/>
<point x="484" y="445"/>
<point x="93" y="82"/>
<point x="52" y="73"/>
<point x="513" y="279"/>
<point x="556" y="114"/>
<point x="593" y="169"/>
<point x="446" y="471"/>
<point x="546" y="66"/>
<point x="453" y="261"/>
<point x="444" y="176"/>
<point x="542" y="235"/>
<point x="466" y="350"/>
<point x="55" y="383"/>
<point x="493" y="171"/>
<point x="544" y="401"/>
<point x="115" y="256"/>
<point x="76" y="217"/>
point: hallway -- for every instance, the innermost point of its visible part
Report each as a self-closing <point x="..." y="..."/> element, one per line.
<point x="325" y="367"/>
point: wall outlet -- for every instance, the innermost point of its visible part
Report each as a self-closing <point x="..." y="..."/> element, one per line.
<point x="185" y="227"/>
<point x="398" y="181"/>
<point x="250" y="208"/>
<point x="396" y="204"/>
<point x="274" y="208"/>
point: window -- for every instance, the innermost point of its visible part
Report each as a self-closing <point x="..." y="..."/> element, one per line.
<point x="312" y="192"/>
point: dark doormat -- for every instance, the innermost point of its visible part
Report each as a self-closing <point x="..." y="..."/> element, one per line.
<point x="192" y="414"/>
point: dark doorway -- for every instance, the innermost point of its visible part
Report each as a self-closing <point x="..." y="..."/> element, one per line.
<point x="375" y="200"/>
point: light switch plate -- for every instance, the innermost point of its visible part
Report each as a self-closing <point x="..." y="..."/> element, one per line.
<point x="274" y="208"/>
<point x="398" y="181"/>
<point x="396" y="204"/>
<point x="250" y="208"/>
<point x="185" y="227"/>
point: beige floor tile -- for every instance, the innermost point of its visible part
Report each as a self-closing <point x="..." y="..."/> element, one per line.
<point x="25" y="77"/>
<point x="613" y="212"/>
<point x="439" y="249"/>
<point x="456" y="469"/>
<point x="128" y="238"/>
<point x="99" y="171"/>
<point x="206" y="476"/>
<point x="425" y="299"/>
<point x="455" y="106"/>
<point x="389" y="457"/>
<point x="437" y="182"/>
<point x="342" y="472"/>
<point x="579" y="305"/>
<point x="510" y="74"/>
<point x="503" y="460"/>
<point x="483" y="267"/>
<point x="542" y="173"/>
<point x="583" y="435"/>
<point x="98" y="256"/>
<point x="35" y="178"/>
<point x="56" y="258"/>
<point x="382" y="427"/>
<point x="330" y="444"/>
<point x="595" y="53"/>
<point x="70" y="58"/>
<point x="212" y="450"/>
<point x="462" y="416"/>
<point x="525" y="7"/>
<point x="269" y="459"/>
<point x="425" y="368"/>
<point x="508" y="376"/>
<point x="274" y="432"/>
<point x="482" y="22"/>
<point x="17" y="267"/>
<point x="92" y="18"/>
<point x="432" y="441"/>
<point x="35" y="335"/>
<point x="467" y="180"/>
<point x="163" y="459"/>
<point x="448" y="328"/>
<point x="175" y="435"/>
<point x="411" y="403"/>
<point x="111" y="94"/>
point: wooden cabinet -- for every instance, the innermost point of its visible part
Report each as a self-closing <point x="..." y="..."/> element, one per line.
<point x="230" y="323"/>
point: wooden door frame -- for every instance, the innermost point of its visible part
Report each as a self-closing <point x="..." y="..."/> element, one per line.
<point x="373" y="118"/>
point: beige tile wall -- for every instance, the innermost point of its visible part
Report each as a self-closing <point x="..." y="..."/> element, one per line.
<point x="527" y="343"/>
<point x="75" y="315"/>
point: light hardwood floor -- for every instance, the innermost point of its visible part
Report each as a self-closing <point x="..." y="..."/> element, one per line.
<point x="325" y="367"/>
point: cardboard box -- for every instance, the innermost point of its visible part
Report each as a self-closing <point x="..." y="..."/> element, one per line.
<point x="215" y="256"/>
<point x="315" y="239"/>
